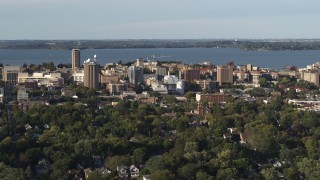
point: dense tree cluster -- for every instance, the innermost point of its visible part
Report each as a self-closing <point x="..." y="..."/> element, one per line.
<point x="237" y="140"/>
<point x="69" y="133"/>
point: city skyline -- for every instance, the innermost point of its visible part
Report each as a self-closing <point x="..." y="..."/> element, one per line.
<point x="142" y="19"/>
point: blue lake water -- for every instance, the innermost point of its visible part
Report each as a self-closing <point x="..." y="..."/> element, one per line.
<point x="217" y="56"/>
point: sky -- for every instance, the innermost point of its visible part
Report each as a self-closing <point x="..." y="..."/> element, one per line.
<point x="159" y="19"/>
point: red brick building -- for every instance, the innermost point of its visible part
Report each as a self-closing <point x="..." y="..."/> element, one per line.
<point x="205" y="102"/>
<point x="191" y="74"/>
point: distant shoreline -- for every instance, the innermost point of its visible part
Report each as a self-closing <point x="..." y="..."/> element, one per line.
<point x="247" y="45"/>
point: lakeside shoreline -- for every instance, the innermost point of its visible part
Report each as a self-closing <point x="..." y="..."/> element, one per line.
<point x="247" y="45"/>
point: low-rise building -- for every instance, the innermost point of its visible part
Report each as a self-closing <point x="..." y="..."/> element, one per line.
<point x="152" y="82"/>
<point x="256" y="75"/>
<point x="78" y="76"/>
<point x="213" y="97"/>
<point x="117" y="88"/>
<point x="161" y="89"/>
<point x="150" y="64"/>
<point x="31" y="84"/>
<point x="42" y="78"/>
<point x="149" y="76"/>
<point x="22" y="94"/>
<point x="288" y="73"/>
<point x="105" y="79"/>
<point x="207" y="84"/>
<point x="311" y="76"/>
<point x="241" y="75"/>
<point x="160" y="71"/>
<point x="206" y="101"/>
<point x="53" y="82"/>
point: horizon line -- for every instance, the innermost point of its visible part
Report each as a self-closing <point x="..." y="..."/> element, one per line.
<point x="132" y="39"/>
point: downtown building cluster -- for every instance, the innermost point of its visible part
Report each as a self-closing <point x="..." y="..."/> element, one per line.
<point x="159" y="77"/>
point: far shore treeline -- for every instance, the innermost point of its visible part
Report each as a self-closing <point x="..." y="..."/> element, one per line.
<point x="252" y="45"/>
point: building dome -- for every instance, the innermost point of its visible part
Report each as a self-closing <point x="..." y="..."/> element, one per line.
<point x="170" y="79"/>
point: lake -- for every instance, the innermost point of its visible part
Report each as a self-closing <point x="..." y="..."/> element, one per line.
<point x="217" y="56"/>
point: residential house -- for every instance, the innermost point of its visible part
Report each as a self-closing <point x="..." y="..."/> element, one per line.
<point x="104" y="171"/>
<point x="87" y="172"/>
<point x="123" y="171"/>
<point x="146" y="177"/>
<point x="134" y="171"/>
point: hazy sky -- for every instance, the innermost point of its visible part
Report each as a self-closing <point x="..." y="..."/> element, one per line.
<point x="159" y="19"/>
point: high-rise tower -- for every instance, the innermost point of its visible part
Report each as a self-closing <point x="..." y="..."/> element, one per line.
<point x="225" y="74"/>
<point x="75" y="59"/>
<point x="191" y="73"/>
<point x="135" y="74"/>
<point x="91" y="73"/>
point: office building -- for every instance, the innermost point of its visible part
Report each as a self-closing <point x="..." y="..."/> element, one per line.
<point x="75" y="59"/>
<point x="135" y="74"/>
<point x="10" y="73"/>
<point x="91" y="73"/>
<point x="225" y="74"/>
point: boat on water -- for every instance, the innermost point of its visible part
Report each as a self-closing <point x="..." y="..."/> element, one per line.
<point x="161" y="56"/>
